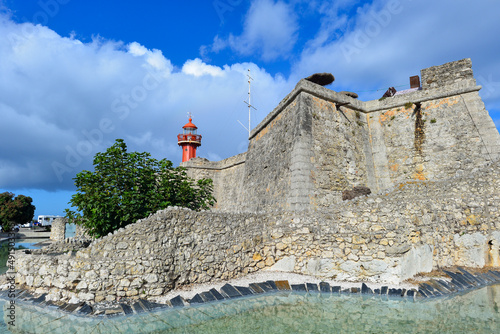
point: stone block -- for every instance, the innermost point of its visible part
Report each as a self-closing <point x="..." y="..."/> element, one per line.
<point x="256" y="288"/>
<point x="138" y="308"/>
<point x="85" y="309"/>
<point x="230" y="291"/>
<point x="272" y="284"/>
<point x="365" y="289"/>
<point x="282" y="285"/>
<point x="299" y="287"/>
<point x="177" y="301"/>
<point x="311" y="287"/>
<point x="470" y="249"/>
<point x="395" y="292"/>
<point x="265" y="286"/>
<point x="126" y="309"/>
<point x="244" y="291"/>
<point x="208" y="296"/>
<point x="324" y="287"/>
<point x="196" y="300"/>
<point x="286" y="264"/>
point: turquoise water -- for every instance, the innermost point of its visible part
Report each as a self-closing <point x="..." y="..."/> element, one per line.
<point x="474" y="312"/>
<point x="20" y="244"/>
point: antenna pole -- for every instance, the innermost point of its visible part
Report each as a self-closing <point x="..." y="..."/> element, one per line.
<point x="249" y="102"/>
<point x="250" y="106"/>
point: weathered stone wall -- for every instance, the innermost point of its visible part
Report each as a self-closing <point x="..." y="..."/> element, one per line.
<point x="317" y="143"/>
<point x="339" y="150"/>
<point x="431" y="158"/>
<point x="227" y="176"/>
<point x="58" y="229"/>
<point x="387" y="237"/>
<point x="268" y="173"/>
<point x="433" y="140"/>
<point x="447" y="74"/>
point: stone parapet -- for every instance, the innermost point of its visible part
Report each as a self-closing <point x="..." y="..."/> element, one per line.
<point x="447" y="74"/>
<point x="202" y="163"/>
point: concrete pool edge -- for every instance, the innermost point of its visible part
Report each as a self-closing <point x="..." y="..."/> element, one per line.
<point x="452" y="282"/>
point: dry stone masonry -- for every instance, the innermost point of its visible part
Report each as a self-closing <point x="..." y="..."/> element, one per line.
<point x="387" y="237"/>
<point x="430" y="159"/>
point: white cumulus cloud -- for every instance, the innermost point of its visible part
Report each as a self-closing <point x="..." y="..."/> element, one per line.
<point x="270" y="29"/>
<point x="198" y="68"/>
<point x="62" y="101"/>
<point x="153" y="57"/>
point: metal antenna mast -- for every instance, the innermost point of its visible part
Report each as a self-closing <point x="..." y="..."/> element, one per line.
<point x="250" y="106"/>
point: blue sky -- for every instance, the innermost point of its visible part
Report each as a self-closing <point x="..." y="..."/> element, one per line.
<point x="75" y="75"/>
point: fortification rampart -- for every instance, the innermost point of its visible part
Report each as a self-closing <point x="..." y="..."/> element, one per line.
<point x="417" y="227"/>
<point x="222" y="173"/>
<point x="318" y="143"/>
<point x="430" y="158"/>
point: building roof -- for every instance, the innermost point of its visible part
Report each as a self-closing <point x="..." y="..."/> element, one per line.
<point x="190" y="124"/>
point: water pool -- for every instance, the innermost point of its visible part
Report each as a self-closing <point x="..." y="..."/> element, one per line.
<point x="19" y="244"/>
<point x="475" y="312"/>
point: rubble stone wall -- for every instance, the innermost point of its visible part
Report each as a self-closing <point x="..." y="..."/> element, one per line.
<point x="58" y="229"/>
<point x="416" y="227"/>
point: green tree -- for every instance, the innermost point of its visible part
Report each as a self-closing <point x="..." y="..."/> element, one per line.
<point x="18" y="210"/>
<point x="125" y="187"/>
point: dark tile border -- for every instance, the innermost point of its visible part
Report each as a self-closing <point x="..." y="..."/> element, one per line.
<point x="460" y="281"/>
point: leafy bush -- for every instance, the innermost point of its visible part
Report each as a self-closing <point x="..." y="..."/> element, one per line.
<point x="125" y="187"/>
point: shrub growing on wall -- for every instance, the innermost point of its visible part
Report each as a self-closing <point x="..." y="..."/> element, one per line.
<point x="125" y="187"/>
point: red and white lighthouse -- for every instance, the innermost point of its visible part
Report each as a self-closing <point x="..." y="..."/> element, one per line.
<point x="189" y="141"/>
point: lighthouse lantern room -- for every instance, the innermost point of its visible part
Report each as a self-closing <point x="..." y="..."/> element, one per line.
<point x="189" y="140"/>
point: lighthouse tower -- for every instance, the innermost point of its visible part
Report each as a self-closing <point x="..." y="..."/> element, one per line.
<point x="189" y="141"/>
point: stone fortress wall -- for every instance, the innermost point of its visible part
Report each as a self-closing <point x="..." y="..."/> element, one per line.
<point x="430" y="158"/>
<point x="388" y="237"/>
<point x="317" y="143"/>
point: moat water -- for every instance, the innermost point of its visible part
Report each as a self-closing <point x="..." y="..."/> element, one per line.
<point x="474" y="312"/>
